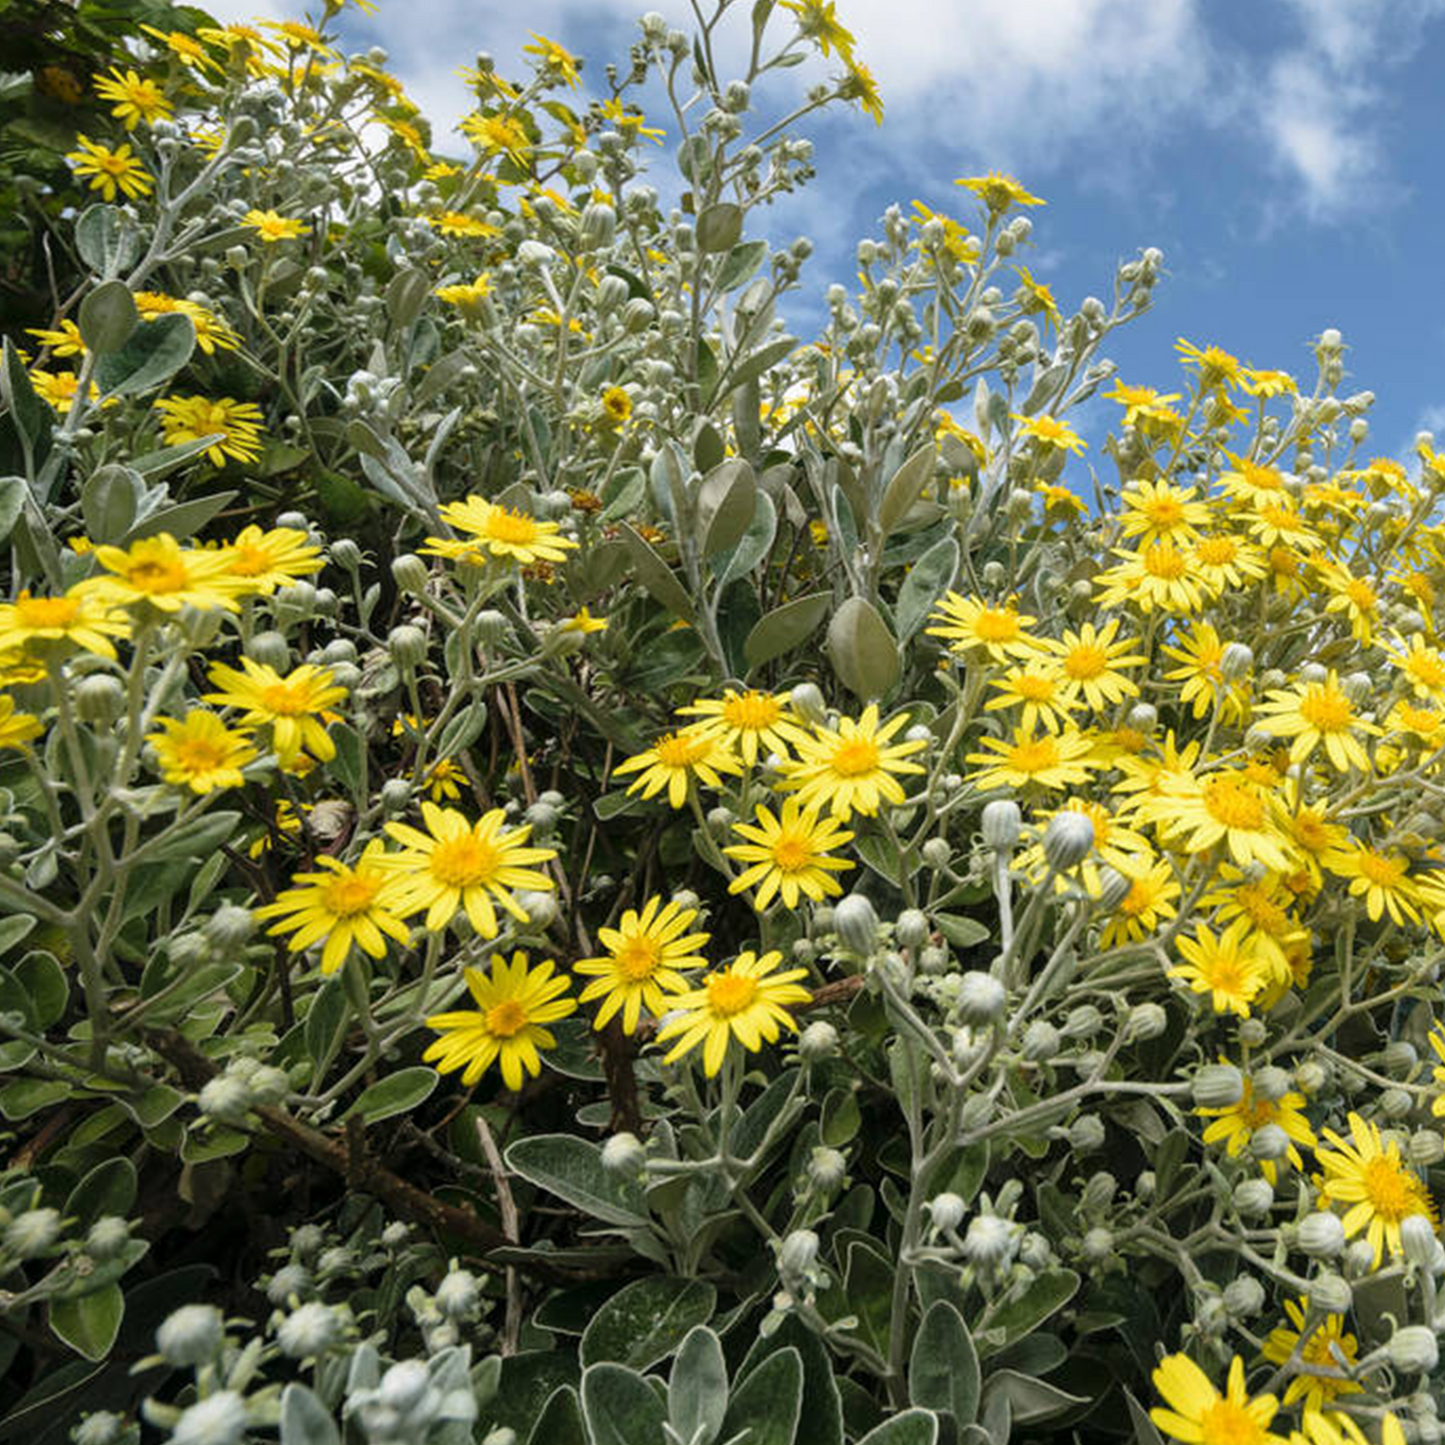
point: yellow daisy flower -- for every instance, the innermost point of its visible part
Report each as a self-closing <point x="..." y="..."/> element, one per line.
<point x="513" y="1003"/>
<point x="293" y="706"/>
<point x="1222" y="807"/>
<point x="1091" y="662"/>
<point x="160" y="571"/>
<point x="1158" y="575"/>
<point x="1050" y="761"/>
<point x="1371" y="1178"/>
<point x="1381" y="876"/>
<point x="970" y="623"/>
<point x="998" y="192"/>
<point x="1150" y="901"/>
<point x="616" y="405"/>
<point x="643" y="965"/>
<point x="1228" y="968"/>
<point x="1151" y="510"/>
<point x="788" y="855"/>
<point x="1327" y="1346"/>
<point x="1235" y="1125"/>
<point x="854" y="768"/>
<point x="745" y="1001"/>
<point x="236" y="424"/>
<point x="346" y="905"/>
<point x="1196" y="1413"/>
<point x="84" y="620"/>
<point x="136" y="99"/>
<point x="271" y="559"/>
<point x="16" y="727"/>
<point x="505" y="533"/>
<point x="1318" y="712"/>
<point x="200" y="752"/>
<point x="458" y="864"/>
<point x="1050" y="433"/>
<point x="675" y="759"/>
<point x="272" y="228"/>
<point x="747" y="720"/>
<point x="1215" y="366"/>
<point x="66" y="341"/>
<point x="110" y="172"/>
<point x="1040" y="689"/>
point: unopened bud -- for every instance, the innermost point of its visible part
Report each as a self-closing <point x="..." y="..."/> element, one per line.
<point x="1321" y="1235"/>
<point x="817" y="1042"/>
<point x="827" y="1170"/>
<point x="1414" y="1350"/>
<point x="1253" y="1198"/>
<point x="1068" y="840"/>
<point x="1086" y="1133"/>
<point x="623" y="1154"/>
<point x="1002" y="823"/>
<point x="807" y="702"/>
<point x="190" y="1335"/>
<point x="981" y="998"/>
<point x="1417" y="1239"/>
<point x="225" y="1098"/>
<point x="856" y="923"/>
<point x="911" y="929"/>
<point x="1218" y="1086"/>
<point x="1235" y="661"/>
<point x="310" y="1329"/>
<point x="407" y="645"/>
<point x="99" y="699"/>
<point x="410" y="573"/>
<point x="459" y="1294"/>
<point x="990" y="1241"/>
<point x="1331" y="1293"/>
<point x="1243" y="1297"/>
<point x="1041" y="1041"/>
<point x="798" y="1254"/>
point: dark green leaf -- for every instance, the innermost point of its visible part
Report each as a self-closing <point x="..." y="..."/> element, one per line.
<point x="109" y="1188"/>
<point x="571" y="1168"/>
<point x="395" y="1094"/>
<point x="911" y="1427"/>
<point x="863" y="651"/>
<point x="154" y="353"/>
<point x="647" y="1320"/>
<point x="560" y="1422"/>
<point x="697" y="1390"/>
<point x="943" y="1370"/>
<point x="620" y="1407"/>
<point x="1047" y="1293"/>
<point x="89" y="1323"/>
<point x="786" y="627"/>
<point x="656" y="576"/>
<point x="769" y="1402"/>
<point x="108" y="317"/>
<point x="1031" y="1399"/>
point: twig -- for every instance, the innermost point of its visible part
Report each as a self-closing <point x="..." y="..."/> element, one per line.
<point x="507" y="1207"/>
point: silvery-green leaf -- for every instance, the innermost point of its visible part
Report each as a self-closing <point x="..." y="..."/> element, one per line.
<point x="108" y="317"/>
<point x="863" y="651"/>
<point x="154" y="353"/>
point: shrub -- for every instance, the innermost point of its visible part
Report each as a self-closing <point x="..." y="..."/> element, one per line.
<point x="578" y="870"/>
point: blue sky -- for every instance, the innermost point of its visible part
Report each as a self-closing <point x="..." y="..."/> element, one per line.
<point x="1284" y="154"/>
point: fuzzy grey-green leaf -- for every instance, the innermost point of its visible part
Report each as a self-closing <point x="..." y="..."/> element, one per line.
<point x="725" y="505"/>
<point x="905" y="487"/>
<point x="720" y="227"/>
<point x="943" y="1370"/>
<point x="154" y="353"/>
<point x="785" y="627"/>
<point x="396" y="1093"/>
<point x="863" y="651"/>
<point x="697" y="1390"/>
<point x="620" y="1407"/>
<point x="108" y="317"/>
<point x="645" y="1321"/>
<point x="656" y="576"/>
<point x="571" y="1168"/>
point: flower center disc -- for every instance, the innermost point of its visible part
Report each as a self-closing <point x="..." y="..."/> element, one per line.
<point x="285" y="699"/>
<point x="1230" y="804"/>
<point x="855" y="757"/>
<point x="463" y="862"/>
<point x="791" y="854"/>
<point x="506" y="526"/>
<point x="752" y="712"/>
<point x="346" y="897"/>
<point x="506" y="1019"/>
<point x="730" y="993"/>
<point x="47" y="611"/>
<point x="637" y="959"/>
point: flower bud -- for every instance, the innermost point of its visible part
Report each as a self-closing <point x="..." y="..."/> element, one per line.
<point x="271" y="650"/>
<point x="458" y="1295"/>
<point x="493" y="630"/>
<point x="1414" y="1350"/>
<point x="638" y="314"/>
<point x="981" y="998"/>
<point x="1426" y="1147"/>
<point x="219" y="1419"/>
<point x="226" y="1098"/>
<point x="1252" y="1032"/>
<point x="1145" y="1021"/>
<point x="395" y="796"/>
<point x="1321" y="1235"/>
<point x="937" y="853"/>
<point x="1099" y="1192"/>
<point x="230" y="928"/>
<point x="269" y="1085"/>
<point x="1041" y="1041"/>
<point x="856" y="924"/>
<point x="1083" y="1022"/>
<point x="807" y="702"/>
<point x="1068" y="840"/>
<point x="817" y="1042"/>
<point x="407" y="646"/>
<point x="291" y="1280"/>
<point x="1235" y="661"/>
<point x="1253" y="1198"/>
<point x="309" y="1330"/>
<point x="345" y="553"/>
<point x="1114" y="888"/>
<point x="946" y="1211"/>
<point x="1311" y="1076"/>
<point x="1243" y="1297"/>
<point x="597" y="226"/>
<point x="827" y="1170"/>
<point x="1143" y="717"/>
<point x="1098" y="1243"/>
<point x="624" y="1155"/>
<point x="107" y="1237"/>
<point x="1395" y="1104"/>
<point x="1269" y="1142"/>
<point x="798" y="1254"/>
<point x="540" y="907"/>
<point x="1218" y="1086"/>
<point x="1270" y="1084"/>
<point x="410" y="573"/>
<point x="99" y="699"/>
<point x="32" y="1233"/>
<point x="911" y="930"/>
<point x="99" y="1428"/>
<point x="1002" y="823"/>
<point x="1417" y="1239"/>
<point x="1330" y="1293"/>
<point x="1086" y="1133"/>
<point x="1359" y="1259"/>
<point x="404" y="1385"/>
<point x="990" y="1242"/>
<point x="191" y="1335"/>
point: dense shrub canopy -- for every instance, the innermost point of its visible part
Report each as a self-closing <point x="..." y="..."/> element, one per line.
<point x="576" y="868"/>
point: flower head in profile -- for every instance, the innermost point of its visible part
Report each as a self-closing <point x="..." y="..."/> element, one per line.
<point x="460" y="865"/>
<point x="1215" y="367"/>
<point x="675" y="759"/>
<point x="859" y="84"/>
<point x="186" y="48"/>
<point x="789" y="855"/>
<point x="16" y="728"/>
<point x="343" y="904"/>
<point x="746" y="1001"/>
<point x="110" y="171"/>
<point x="1196" y="1413"/>
<point x="854" y="768"/>
<point x="555" y="59"/>
<point x="200" y="752"/>
<point x="212" y="333"/>
<point x="293" y="706"/>
<point x="514" y="1003"/>
<point x="64" y="340"/>
<point x="642" y="967"/>
<point x="1380" y="1191"/>
<point x="1050" y="433"/>
<point x="818" y="22"/>
<point x="998" y="192"/>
